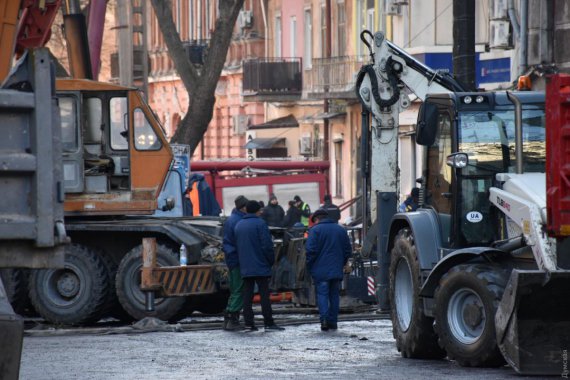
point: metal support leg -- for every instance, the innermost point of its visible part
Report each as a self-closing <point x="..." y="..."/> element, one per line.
<point x="149" y="262"/>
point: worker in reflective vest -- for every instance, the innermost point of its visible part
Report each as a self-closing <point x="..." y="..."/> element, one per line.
<point x="305" y="210"/>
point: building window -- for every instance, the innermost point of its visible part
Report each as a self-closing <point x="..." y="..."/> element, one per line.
<point x="341" y="29"/>
<point x="208" y="21"/>
<point x="338" y="168"/>
<point x="191" y="20"/>
<point x="359" y="26"/>
<point x="308" y="40"/>
<point x="323" y="30"/>
<point x="293" y="37"/>
<point x="177" y="13"/>
<point x="278" y="36"/>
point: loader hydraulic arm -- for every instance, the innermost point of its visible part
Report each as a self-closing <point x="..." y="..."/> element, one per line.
<point x="381" y="88"/>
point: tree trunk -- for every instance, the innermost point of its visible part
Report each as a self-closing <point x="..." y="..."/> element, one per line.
<point x="199" y="82"/>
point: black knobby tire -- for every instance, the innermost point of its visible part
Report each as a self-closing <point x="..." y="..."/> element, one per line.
<point x="466" y="302"/>
<point x="74" y="295"/>
<point x="132" y="298"/>
<point x="412" y="329"/>
<point x="16" y="285"/>
<point x="113" y="307"/>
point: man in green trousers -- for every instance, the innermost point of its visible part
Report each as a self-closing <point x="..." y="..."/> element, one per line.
<point x="235" y="302"/>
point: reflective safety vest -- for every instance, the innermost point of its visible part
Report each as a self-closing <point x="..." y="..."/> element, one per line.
<point x="305" y="219"/>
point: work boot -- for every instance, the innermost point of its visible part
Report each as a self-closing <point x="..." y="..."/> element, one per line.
<point x="227" y="316"/>
<point x="233" y="322"/>
<point x="250" y="328"/>
<point x="324" y="326"/>
<point x="332" y="326"/>
<point x="274" y="327"/>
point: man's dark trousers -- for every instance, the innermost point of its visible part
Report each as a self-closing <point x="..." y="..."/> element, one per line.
<point x="263" y="287"/>
<point x="328" y="300"/>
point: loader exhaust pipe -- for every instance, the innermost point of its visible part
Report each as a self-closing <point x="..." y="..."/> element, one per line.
<point x="518" y="131"/>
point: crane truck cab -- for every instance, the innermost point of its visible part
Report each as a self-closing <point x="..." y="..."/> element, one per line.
<point x="116" y="156"/>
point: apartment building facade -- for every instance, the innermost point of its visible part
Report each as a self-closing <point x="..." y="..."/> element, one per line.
<point x="287" y="91"/>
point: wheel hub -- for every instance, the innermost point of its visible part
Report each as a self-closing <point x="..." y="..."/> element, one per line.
<point x="466" y="316"/>
<point x="473" y="315"/>
<point x="68" y="284"/>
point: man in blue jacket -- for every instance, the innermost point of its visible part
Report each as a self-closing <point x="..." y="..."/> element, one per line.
<point x="256" y="257"/>
<point x="327" y="251"/>
<point x="235" y="301"/>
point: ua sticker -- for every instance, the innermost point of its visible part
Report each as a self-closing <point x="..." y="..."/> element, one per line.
<point x="474" y="216"/>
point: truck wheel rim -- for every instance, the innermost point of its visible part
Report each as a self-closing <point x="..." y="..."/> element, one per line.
<point x="404" y="294"/>
<point x="466" y="316"/>
<point x="63" y="286"/>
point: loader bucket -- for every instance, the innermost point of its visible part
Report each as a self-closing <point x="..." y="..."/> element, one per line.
<point x="533" y="322"/>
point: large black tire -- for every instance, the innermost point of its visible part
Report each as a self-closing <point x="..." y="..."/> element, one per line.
<point x="412" y="329"/>
<point x="16" y="285"/>
<point x="132" y="298"/>
<point x="466" y="302"/>
<point x="74" y="295"/>
<point x="113" y="307"/>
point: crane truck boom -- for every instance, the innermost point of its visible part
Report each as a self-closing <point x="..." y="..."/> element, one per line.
<point x="471" y="274"/>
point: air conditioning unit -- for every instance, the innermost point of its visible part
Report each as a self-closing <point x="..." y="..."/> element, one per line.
<point x="245" y="19"/>
<point x="306" y="145"/>
<point x="499" y="35"/>
<point x="240" y="124"/>
<point x="393" y="7"/>
<point x="498" y="10"/>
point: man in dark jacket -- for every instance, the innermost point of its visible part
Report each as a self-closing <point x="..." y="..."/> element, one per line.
<point x="331" y="208"/>
<point x="292" y="216"/>
<point x="273" y="213"/>
<point x="327" y="251"/>
<point x="235" y="301"/>
<point x="305" y="210"/>
<point x="256" y="257"/>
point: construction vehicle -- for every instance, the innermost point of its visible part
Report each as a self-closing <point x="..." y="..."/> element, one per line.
<point x="114" y="161"/>
<point x="478" y="273"/>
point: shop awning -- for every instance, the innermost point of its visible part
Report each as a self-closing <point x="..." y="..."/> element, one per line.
<point x="288" y="121"/>
<point x="265" y="142"/>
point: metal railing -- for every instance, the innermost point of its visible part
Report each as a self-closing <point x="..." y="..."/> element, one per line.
<point x="334" y="74"/>
<point x="272" y="75"/>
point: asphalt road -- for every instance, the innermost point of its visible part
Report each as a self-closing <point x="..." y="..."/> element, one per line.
<point x="358" y="350"/>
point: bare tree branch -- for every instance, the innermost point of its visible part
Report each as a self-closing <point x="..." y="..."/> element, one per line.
<point x="200" y="84"/>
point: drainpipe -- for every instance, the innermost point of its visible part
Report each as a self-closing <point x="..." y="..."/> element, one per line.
<point x="326" y="125"/>
<point x="266" y="47"/>
<point x="514" y="20"/>
<point x="523" y="40"/>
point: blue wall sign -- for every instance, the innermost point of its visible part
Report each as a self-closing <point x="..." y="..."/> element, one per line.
<point x="486" y="71"/>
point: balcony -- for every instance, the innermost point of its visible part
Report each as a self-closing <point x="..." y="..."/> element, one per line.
<point x="334" y="77"/>
<point x="196" y="50"/>
<point x="272" y="79"/>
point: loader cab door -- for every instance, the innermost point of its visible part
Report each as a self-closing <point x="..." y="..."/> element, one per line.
<point x="438" y="190"/>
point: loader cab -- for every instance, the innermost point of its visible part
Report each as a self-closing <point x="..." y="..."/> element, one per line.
<point x="115" y="156"/>
<point x="480" y="126"/>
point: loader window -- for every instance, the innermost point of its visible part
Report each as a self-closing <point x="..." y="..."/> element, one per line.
<point x="489" y="140"/>
<point x="68" y="115"/>
<point x="119" y="123"/>
<point x="145" y="138"/>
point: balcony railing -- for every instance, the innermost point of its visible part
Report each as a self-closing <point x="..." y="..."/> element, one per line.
<point x="196" y="50"/>
<point x="273" y="77"/>
<point x="334" y="77"/>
